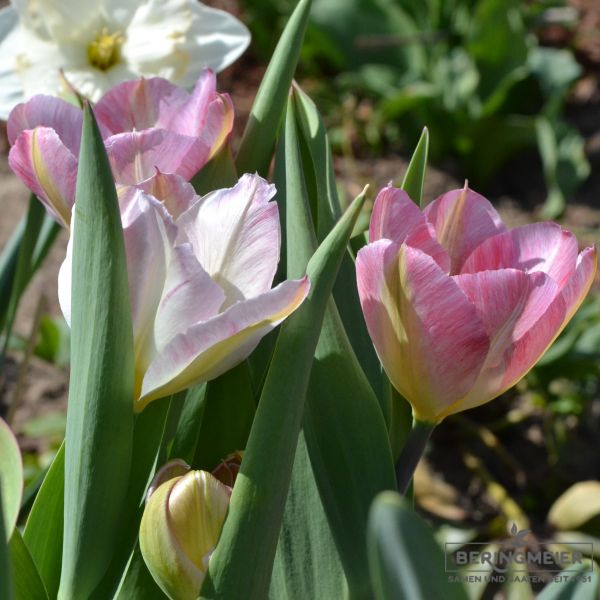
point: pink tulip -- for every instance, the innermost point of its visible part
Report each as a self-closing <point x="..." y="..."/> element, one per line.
<point x="458" y="307"/>
<point x="147" y="124"/>
<point x="200" y="275"/>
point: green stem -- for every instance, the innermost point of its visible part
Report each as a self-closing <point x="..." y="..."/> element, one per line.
<point x="412" y="453"/>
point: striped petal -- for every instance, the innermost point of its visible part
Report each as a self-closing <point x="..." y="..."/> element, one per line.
<point x="172" y="190"/>
<point x="50" y="112"/>
<point x="396" y="217"/>
<point x="140" y="104"/>
<point x="48" y="169"/>
<point x="428" y="335"/>
<point x="236" y="236"/>
<point x="536" y="337"/>
<point x="544" y="247"/>
<point x="135" y="156"/>
<point x="462" y="219"/>
<point x="210" y="348"/>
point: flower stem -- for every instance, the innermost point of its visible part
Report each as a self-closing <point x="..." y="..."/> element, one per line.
<point x="412" y="453"/>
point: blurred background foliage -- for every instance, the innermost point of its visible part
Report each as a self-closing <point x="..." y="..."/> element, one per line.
<point x="473" y="71"/>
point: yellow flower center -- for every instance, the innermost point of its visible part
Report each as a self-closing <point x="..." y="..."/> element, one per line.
<point x="104" y="51"/>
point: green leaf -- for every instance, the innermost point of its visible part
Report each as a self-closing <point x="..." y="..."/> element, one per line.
<point x="153" y="434"/>
<point x="307" y="563"/>
<point x="414" y="177"/>
<point x="190" y="421"/>
<point x="11" y="478"/>
<point x="6" y="588"/>
<point x="28" y="584"/>
<point x="404" y="559"/>
<point x="228" y="414"/>
<point x="256" y="147"/>
<point x="571" y="584"/>
<point x="43" y="533"/>
<point x="138" y="583"/>
<point x="100" y="410"/>
<point x="344" y="427"/>
<point x="242" y="563"/>
<point x="318" y="169"/>
<point x="33" y="224"/>
<point x="12" y="251"/>
<point x="218" y="173"/>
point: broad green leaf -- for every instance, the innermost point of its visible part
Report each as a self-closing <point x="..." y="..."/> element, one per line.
<point x="307" y="563"/>
<point x="344" y="427"/>
<point x="6" y="588"/>
<point x="256" y="147"/>
<point x="571" y="584"/>
<point x="414" y="177"/>
<point x="11" y="478"/>
<point x="218" y="173"/>
<point x="100" y="410"/>
<point x="228" y="414"/>
<point x="28" y="584"/>
<point x="242" y="563"/>
<point x="319" y="163"/>
<point x="151" y="434"/>
<point x="43" y="533"/>
<point x="405" y="561"/>
<point x="320" y="168"/>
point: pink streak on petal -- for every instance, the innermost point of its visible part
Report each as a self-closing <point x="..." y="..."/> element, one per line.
<point x="172" y="190"/>
<point x="428" y="335"/>
<point x="235" y="234"/>
<point x="134" y="157"/>
<point x="541" y="247"/>
<point x="50" y="112"/>
<point x="189" y="297"/>
<point x="47" y="168"/>
<point x="521" y="356"/>
<point x="139" y="104"/>
<point x="208" y="349"/>
<point x="462" y="219"/>
<point x="396" y="217"/>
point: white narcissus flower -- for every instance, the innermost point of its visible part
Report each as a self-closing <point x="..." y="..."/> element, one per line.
<point x="200" y="275"/>
<point x="100" y="43"/>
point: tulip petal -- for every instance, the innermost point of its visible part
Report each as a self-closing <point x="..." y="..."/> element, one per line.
<point x="544" y="247"/>
<point x="427" y="334"/>
<point x="140" y="104"/>
<point x="236" y="237"/>
<point x="135" y="156"/>
<point x="48" y="112"/>
<point x="208" y="349"/>
<point x="510" y="303"/>
<point x="172" y="190"/>
<point x="462" y="219"/>
<point x="396" y="217"/>
<point x="189" y="297"/>
<point x="48" y="169"/>
<point x="536" y="337"/>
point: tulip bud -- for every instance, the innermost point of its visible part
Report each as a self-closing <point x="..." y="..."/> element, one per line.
<point x="180" y="528"/>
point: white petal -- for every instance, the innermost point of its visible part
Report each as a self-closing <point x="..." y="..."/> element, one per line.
<point x="216" y="40"/>
<point x="236" y="237"/>
<point x="11" y="89"/>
